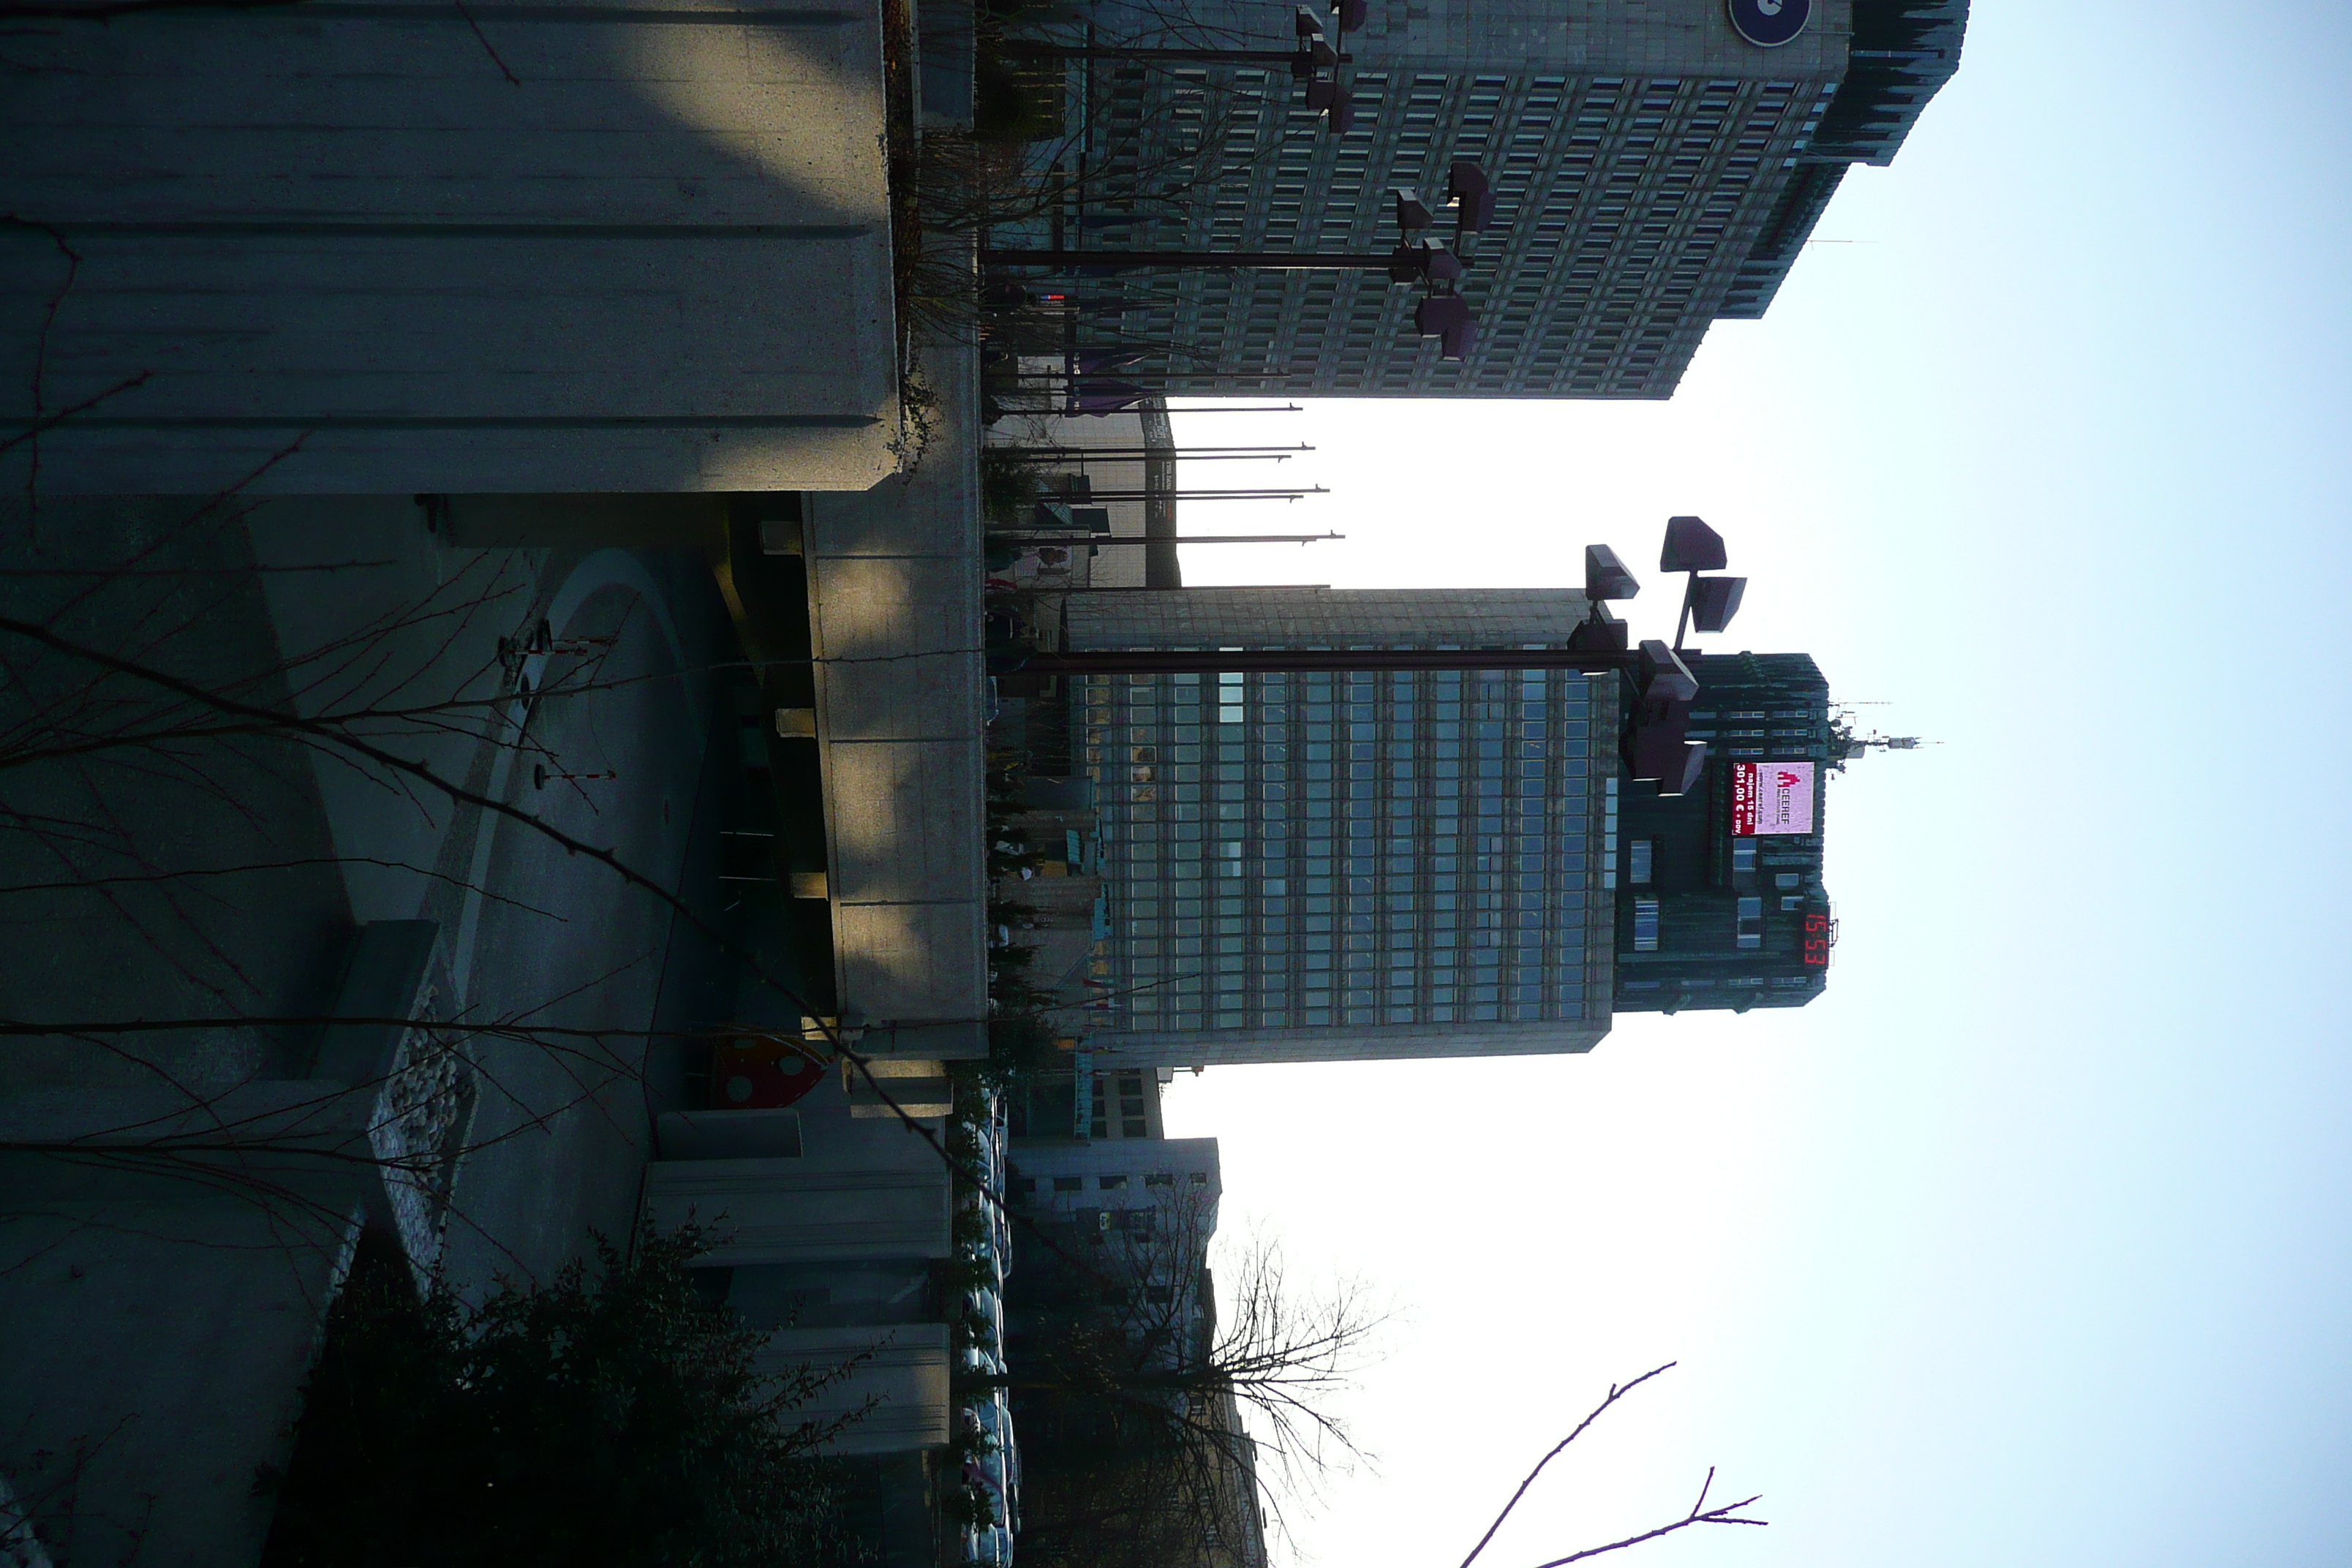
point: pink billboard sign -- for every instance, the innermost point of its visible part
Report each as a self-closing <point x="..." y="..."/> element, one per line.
<point x="1771" y="797"/>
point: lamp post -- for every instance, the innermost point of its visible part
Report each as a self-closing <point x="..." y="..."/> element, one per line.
<point x="1408" y="262"/>
<point x="1663" y="689"/>
<point x="1692" y="548"/>
<point x="1307" y="58"/>
<point x="1074" y="539"/>
<point x="1442" y="315"/>
<point x="1131" y="454"/>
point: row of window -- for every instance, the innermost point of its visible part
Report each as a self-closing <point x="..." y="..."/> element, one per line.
<point x="1367" y="949"/>
<point x="1323" y="706"/>
<point x="1483" y="807"/>
<point x="1479" y="959"/>
<point x="1479" y="891"/>
<point x="1184" y="1020"/>
<point x="1748" y="921"/>
<point x="1442" y="994"/>
<point x="1326" y="781"/>
<point x="1591" y="116"/>
<point x="1368" y="686"/>
<point x="1027" y="1186"/>
<point x="1399" y="740"/>
<point x="1364" y="853"/>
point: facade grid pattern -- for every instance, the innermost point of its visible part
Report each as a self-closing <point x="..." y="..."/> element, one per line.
<point x="1346" y="864"/>
<point x="1638" y="165"/>
<point x="1654" y="172"/>
<point x="1624" y="212"/>
<point x="1315" y="850"/>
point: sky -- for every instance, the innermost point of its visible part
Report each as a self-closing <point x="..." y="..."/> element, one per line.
<point x="2031" y="1242"/>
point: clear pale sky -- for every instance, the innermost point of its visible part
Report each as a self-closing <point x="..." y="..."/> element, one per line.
<point x="2028" y="1244"/>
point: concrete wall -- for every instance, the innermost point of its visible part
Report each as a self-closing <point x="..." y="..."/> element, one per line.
<point x="904" y="1372"/>
<point x="830" y="1248"/>
<point x="370" y="249"/>
<point x="803" y="1210"/>
<point x="894" y="617"/>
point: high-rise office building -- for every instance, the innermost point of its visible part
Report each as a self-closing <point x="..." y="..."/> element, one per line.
<point x="1335" y="865"/>
<point x="1654" y="170"/>
<point x="1720" y="903"/>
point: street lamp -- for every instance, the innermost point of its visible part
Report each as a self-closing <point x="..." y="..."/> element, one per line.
<point x="1313" y="55"/>
<point x="1655" y="741"/>
<point x="1443" y="314"/>
<point x="1708" y="603"/>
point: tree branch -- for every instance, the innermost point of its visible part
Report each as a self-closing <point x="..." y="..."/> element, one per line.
<point x="1616" y="1393"/>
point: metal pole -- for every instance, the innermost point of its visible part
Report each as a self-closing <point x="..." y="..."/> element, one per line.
<point x="1121" y="588"/>
<point x="1189" y="495"/>
<point x="1043" y="378"/>
<point x="1073" y="539"/>
<point x="1219" y="453"/>
<point x="1162" y="661"/>
<point x="1286" y="260"/>
<point x="1018" y="50"/>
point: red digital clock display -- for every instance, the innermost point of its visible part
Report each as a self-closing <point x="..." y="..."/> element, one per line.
<point x="1816" y="938"/>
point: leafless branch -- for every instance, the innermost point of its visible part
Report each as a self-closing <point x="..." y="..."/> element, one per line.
<point x="1726" y="1513"/>
<point x="1616" y="1393"/>
<point x="1723" y="1513"/>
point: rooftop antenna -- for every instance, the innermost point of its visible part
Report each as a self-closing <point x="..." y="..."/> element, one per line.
<point x="1846" y="745"/>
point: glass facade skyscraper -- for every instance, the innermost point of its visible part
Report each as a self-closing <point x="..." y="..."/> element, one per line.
<point x="1320" y="865"/>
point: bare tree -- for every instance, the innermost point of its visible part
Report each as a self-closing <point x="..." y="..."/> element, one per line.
<point x="1699" y="1512"/>
<point x="1163" y="1418"/>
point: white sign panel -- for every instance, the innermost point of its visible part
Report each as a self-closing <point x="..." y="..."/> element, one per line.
<point x="1771" y="797"/>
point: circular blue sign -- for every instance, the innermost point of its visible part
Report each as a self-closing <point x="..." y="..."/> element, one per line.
<point x="1767" y="23"/>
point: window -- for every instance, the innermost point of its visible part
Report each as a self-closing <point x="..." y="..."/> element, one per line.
<point x="1743" y="858"/>
<point x="1645" y="925"/>
<point x="1111" y="1184"/>
<point x="1069" y="1183"/>
<point x="1639" y="858"/>
<point x="1160" y="1179"/>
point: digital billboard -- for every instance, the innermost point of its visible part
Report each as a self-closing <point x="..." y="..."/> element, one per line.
<point x="1771" y="797"/>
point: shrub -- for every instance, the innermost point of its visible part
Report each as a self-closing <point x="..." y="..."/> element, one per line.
<point x="614" y="1416"/>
